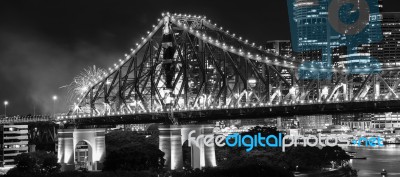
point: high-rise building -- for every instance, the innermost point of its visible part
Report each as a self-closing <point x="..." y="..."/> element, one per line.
<point x="315" y="38"/>
<point x="14" y="140"/>
<point x="280" y="47"/>
<point x="388" y="51"/>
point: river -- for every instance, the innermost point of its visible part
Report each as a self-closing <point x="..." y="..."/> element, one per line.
<point x="378" y="158"/>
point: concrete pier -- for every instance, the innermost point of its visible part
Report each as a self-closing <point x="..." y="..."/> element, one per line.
<point x="68" y="140"/>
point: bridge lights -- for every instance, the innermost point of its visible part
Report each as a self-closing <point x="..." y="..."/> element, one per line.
<point x="252" y="82"/>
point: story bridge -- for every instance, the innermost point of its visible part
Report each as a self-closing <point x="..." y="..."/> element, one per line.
<point x="188" y="69"/>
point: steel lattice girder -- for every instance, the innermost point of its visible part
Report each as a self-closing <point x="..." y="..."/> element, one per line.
<point x="200" y="69"/>
<point x="211" y="68"/>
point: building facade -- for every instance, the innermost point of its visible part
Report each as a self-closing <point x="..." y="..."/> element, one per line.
<point x="388" y="51"/>
<point x="315" y="122"/>
<point x="14" y="139"/>
<point x="315" y="38"/>
<point x="280" y="47"/>
<point x="386" y="121"/>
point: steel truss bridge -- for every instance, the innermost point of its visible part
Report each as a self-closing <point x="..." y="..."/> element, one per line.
<point x="188" y="69"/>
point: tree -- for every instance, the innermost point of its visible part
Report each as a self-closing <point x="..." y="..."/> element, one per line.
<point x="334" y="154"/>
<point x="130" y="151"/>
<point x="35" y="164"/>
<point x="295" y="158"/>
<point x="265" y="131"/>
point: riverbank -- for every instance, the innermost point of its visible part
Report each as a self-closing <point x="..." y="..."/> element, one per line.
<point x="341" y="172"/>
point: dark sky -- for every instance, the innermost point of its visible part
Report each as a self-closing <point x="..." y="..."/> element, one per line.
<point x="45" y="43"/>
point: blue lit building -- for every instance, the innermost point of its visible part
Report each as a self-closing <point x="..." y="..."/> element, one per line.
<point x="320" y="38"/>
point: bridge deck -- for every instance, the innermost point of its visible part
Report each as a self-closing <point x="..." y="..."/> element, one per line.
<point x="245" y="112"/>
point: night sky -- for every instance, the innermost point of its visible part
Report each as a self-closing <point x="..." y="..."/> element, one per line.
<point x="45" y="43"/>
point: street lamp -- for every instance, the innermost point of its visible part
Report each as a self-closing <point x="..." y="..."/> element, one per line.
<point x="5" y="109"/>
<point x="54" y="104"/>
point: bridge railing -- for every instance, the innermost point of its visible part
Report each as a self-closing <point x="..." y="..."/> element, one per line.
<point x="25" y="119"/>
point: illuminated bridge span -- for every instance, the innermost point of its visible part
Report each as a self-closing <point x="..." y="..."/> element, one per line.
<point x="188" y="69"/>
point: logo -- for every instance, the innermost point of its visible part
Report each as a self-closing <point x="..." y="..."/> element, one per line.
<point x="279" y="141"/>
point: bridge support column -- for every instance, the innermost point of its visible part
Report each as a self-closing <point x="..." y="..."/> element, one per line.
<point x="66" y="150"/>
<point x="202" y="155"/>
<point x="173" y="137"/>
<point x="171" y="145"/>
<point x="91" y="148"/>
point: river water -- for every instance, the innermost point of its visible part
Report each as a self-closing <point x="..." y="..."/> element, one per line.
<point x="378" y="158"/>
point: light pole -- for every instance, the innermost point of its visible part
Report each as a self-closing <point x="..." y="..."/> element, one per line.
<point x="5" y="109"/>
<point x="54" y="105"/>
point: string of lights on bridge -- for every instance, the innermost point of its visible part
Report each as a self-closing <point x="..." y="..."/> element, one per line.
<point x="223" y="46"/>
<point x="216" y="43"/>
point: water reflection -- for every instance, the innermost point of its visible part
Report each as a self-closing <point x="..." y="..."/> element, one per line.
<point x="378" y="158"/>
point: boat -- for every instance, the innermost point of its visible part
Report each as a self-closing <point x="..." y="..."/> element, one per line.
<point x="384" y="172"/>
